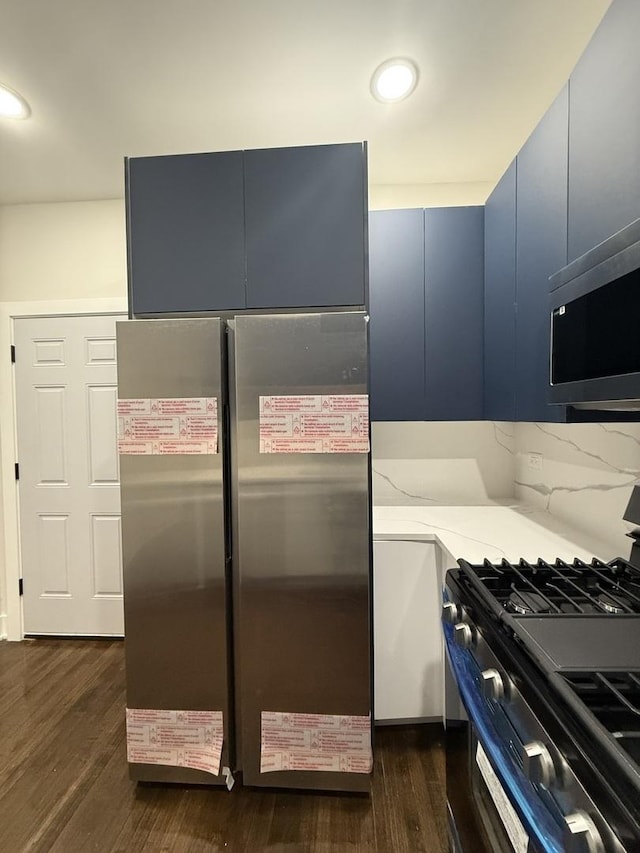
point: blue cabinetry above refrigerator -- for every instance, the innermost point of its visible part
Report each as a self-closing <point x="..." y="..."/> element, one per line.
<point x="269" y="228"/>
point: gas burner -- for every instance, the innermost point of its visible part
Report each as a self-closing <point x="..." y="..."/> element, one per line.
<point x="558" y="589"/>
<point x="527" y="602"/>
<point x="615" y="603"/>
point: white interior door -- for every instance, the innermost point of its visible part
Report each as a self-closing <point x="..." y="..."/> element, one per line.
<point x="69" y="496"/>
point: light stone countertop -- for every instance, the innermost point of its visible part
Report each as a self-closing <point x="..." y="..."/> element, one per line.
<point x="495" y="532"/>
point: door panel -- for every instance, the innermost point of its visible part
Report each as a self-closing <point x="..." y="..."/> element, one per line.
<point x="103" y="464"/>
<point x="68" y="490"/>
<point x="106" y="570"/>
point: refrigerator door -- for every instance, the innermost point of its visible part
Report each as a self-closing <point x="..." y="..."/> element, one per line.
<point x="302" y="550"/>
<point x="173" y="532"/>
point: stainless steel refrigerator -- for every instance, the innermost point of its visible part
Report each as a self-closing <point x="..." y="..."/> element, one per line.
<point x="245" y="482"/>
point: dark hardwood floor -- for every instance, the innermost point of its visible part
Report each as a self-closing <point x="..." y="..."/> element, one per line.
<point x="64" y="785"/>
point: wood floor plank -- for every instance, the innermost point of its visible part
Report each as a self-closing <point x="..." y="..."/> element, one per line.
<point x="29" y="718"/>
<point x="67" y="751"/>
<point x="64" y="785"/>
<point x="98" y="820"/>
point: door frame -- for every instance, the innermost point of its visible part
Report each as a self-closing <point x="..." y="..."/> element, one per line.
<point x="11" y="624"/>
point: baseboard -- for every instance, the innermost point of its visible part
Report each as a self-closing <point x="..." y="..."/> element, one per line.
<point x="3" y="626"/>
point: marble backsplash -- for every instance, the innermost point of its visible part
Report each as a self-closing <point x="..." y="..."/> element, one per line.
<point x="581" y="473"/>
<point x="443" y="463"/>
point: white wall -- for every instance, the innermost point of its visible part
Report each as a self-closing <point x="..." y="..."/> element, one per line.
<point x="73" y="250"/>
<point x="395" y="196"/>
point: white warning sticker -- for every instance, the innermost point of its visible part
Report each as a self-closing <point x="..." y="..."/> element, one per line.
<point x="315" y="423"/>
<point x="334" y="743"/>
<point x="168" y="427"/>
<point x="175" y="738"/>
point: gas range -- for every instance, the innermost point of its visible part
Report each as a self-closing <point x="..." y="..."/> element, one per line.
<point x="546" y="657"/>
<point x="567" y="615"/>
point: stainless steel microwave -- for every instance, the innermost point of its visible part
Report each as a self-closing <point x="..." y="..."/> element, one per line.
<point x="595" y="326"/>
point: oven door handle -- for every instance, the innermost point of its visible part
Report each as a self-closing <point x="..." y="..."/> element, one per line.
<point x="539" y="823"/>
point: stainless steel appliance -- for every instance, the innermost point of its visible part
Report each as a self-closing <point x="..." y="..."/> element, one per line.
<point x="246" y="540"/>
<point x="595" y="345"/>
<point x="546" y="658"/>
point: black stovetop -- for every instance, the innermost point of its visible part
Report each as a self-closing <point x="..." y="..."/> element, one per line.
<point x="567" y="615"/>
<point x="561" y="588"/>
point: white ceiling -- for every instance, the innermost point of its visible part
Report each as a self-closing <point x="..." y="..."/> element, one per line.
<point x="109" y="78"/>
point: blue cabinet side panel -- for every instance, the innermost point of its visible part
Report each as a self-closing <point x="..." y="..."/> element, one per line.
<point x="305" y="214"/>
<point x="541" y="251"/>
<point x="185" y="233"/>
<point x="454" y="252"/>
<point x="499" y="303"/>
<point x="396" y="308"/>
<point x="604" y="131"/>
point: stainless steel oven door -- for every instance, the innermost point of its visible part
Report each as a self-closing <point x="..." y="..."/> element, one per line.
<point x="510" y="813"/>
<point x="499" y="819"/>
<point x="466" y="830"/>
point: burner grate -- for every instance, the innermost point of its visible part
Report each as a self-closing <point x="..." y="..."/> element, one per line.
<point x="560" y="588"/>
<point x="614" y="700"/>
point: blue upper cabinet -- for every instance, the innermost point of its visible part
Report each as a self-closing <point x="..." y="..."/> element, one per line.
<point x="541" y="250"/>
<point x="499" y="299"/>
<point x="604" y="131"/>
<point x="185" y="233"/>
<point x="426" y="293"/>
<point x="454" y="274"/>
<point x="306" y="216"/>
<point x="396" y="308"/>
<point x="274" y="228"/>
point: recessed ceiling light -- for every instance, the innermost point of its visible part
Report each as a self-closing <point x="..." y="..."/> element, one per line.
<point x="12" y="105"/>
<point x="394" y="80"/>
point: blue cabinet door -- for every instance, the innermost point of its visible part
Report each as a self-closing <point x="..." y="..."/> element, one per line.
<point x="499" y="300"/>
<point x="604" y="135"/>
<point x="305" y="215"/>
<point x="541" y="250"/>
<point x="454" y="254"/>
<point x="185" y="233"/>
<point x="396" y="309"/>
